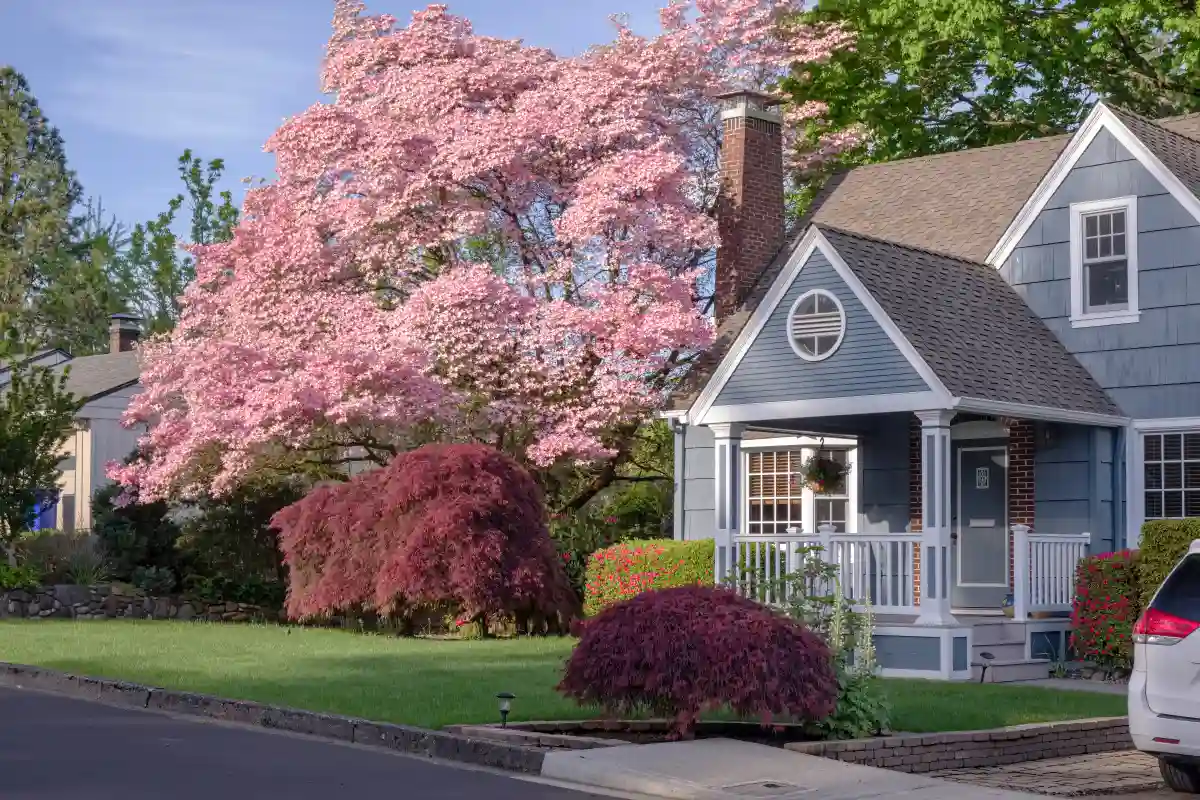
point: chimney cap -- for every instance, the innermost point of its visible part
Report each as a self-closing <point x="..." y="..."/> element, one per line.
<point x="122" y="316"/>
<point x="764" y="99"/>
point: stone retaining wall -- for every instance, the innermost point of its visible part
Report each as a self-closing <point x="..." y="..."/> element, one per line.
<point x="931" y="752"/>
<point x="112" y="602"/>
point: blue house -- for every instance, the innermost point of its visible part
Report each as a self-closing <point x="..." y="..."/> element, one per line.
<point x="1001" y="346"/>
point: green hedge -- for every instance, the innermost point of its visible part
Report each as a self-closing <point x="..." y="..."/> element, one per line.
<point x="1164" y="543"/>
<point x="624" y="570"/>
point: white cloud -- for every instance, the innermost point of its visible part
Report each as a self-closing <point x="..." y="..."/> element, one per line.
<point x="167" y="71"/>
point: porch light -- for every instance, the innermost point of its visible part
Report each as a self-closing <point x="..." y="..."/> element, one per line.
<point x="505" y="699"/>
<point x="986" y="659"/>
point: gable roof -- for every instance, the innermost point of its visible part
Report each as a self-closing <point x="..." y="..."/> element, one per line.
<point x="92" y="376"/>
<point x="1178" y="153"/>
<point x="956" y="204"/>
<point x="971" y="327"/>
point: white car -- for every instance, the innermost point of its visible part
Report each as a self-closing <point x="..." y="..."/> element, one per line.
<point x="1164" y="689"/>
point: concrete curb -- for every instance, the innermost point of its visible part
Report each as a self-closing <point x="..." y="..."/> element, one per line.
<point x="401" y="738"/>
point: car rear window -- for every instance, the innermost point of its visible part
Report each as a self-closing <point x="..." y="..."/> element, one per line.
<point x="1180" y="594"/>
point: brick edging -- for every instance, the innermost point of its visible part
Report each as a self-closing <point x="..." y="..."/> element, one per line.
<point x="401" y="738"/>
<point x="930" y="752"/>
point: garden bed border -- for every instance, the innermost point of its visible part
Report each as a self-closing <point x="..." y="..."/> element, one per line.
<point x="910" y="752"/>
<point x="401" y="738"/>
<point x="935" y="752"/>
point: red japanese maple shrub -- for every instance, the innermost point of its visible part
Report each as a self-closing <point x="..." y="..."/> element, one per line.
<point x="460" y="525"/>
<point x="683" y="651"/>
<point x="1107" y="603"/>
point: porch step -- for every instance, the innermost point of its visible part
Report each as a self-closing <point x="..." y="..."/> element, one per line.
<point x="1006" y="651"/>
<point x="1013" y="670"/>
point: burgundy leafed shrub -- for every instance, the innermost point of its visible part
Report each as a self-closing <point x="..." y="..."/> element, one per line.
<point x="459" y="525"/>
<point x="681" y="652"/>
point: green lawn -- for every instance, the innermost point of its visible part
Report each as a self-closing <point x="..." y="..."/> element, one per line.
<point x="432" y="683"/>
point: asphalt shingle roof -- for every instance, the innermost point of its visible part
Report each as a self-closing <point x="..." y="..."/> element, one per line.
<point x="91" y="376"/>
<point x="972" y="328"/>
<point x="956" y="204"/>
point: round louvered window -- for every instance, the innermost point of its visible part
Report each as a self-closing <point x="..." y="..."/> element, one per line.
<point x="816" y="325"/>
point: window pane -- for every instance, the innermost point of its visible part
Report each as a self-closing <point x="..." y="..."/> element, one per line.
<point x="1091" y="249"/>
<point x="1118" y="244"/>
<point x="1191" y="446"/>
<point x="1089" y="225"/>
<point x="1172" y="505"/>
<point x="68" y="512"/>
<point x="808" y="305"/>
<point x="1191" y="504"/>
<point x="1107" y="285"/>
<point x="1118" y="221"/>
<point x="1191" y="475"/>
<point x="1172" y="447"/>
<point x="1154" y="505"/>
<point x="1153" y="448"/>
<point x="1105" y="224"/>
<point x="1172" y="475"/>
<point x="1180" y="594"/>
<point x="825" y="344"/>
<point x="808" y="344"/>
<point x="1154" y="476"/>
<point x="1105" y="247"/>
<point x="825" y="305"/>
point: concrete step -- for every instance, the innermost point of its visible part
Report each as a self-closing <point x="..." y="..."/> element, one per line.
<point x="1008" y="651"/>
<point x="1011" y="671"/>
<point x="995" y="633"/>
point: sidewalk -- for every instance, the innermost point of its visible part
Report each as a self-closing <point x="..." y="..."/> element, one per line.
<point x="724" y="769"/>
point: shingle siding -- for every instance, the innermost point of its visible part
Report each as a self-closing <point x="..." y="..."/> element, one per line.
<point x="866" y="363"/>
<point x="1151" y="368"/>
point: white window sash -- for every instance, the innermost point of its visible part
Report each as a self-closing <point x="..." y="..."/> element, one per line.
<point x="808" y="496"/>
<point x="1080" y="316"/>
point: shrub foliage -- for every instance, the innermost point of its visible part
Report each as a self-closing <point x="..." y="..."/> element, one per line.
<point x="684" y="651"/>
<point x="625" y="570"/>
<point x="1107" y="603"/>
<point x="444" y="524"/>
<point x="1164" y="543"/>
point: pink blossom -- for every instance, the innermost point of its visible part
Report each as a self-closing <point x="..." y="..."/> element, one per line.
<point x="473" y="240"/>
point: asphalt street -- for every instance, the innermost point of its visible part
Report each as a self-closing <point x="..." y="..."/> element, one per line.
<point x="55" y="748"/>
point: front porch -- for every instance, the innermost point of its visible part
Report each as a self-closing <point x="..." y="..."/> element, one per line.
<point x="961" y="532"/>
<point x="883" y="573"/>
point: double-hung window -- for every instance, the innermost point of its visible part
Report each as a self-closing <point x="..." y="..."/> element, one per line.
<point x="1171" y="475"/>
<point x="1104" y="282"/>
<point x="777" y="500"/>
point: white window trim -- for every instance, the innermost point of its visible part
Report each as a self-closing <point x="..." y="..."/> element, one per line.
<point x="808" y="496"/>
<point x="1079" y="317"/>
<point x="1135" y="466"/>
<point x="791" y="317"/>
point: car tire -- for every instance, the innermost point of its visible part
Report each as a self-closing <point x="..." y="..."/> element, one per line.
<point x="1180" y="777"/>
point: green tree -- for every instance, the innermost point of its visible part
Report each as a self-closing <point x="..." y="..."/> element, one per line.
<point x="930" y="76"/>
<point x="37" y="194"/>
<point x="153" y="271"/>
<point x="37" y="416"/>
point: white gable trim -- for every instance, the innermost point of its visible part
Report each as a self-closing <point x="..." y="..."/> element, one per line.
<point x="1101" y="118"/>
<point x="813" y="241"/>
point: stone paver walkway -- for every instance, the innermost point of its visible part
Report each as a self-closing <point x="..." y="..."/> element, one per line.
<point x="1117" y="773"/>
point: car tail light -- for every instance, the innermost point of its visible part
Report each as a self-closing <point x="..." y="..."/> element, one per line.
<point x="1158" y="627"/>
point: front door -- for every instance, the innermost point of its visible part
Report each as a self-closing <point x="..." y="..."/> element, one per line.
<point x="980" y="521"/>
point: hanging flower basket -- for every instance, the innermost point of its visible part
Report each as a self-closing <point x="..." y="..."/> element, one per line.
<point x="822" y="474"/>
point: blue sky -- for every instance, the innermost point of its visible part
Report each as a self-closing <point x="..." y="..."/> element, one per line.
<point x="131" y="83"/>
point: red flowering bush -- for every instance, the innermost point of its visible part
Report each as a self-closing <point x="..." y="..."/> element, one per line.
<point x="1107" y="603"/>
<point x="458" y="525"/>
<point x="624" y="570"/>
<point x="681" y="652"/>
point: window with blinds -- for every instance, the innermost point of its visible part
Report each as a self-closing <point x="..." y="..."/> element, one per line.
<point x="833" y="505"/>
<point x="775" y="492"/>
<point x="1171" y="464"/>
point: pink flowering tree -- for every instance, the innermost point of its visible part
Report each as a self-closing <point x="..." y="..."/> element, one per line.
<point x="474" y="240"/>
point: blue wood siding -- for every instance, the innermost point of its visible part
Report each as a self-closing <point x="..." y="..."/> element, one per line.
<point x="1073" y="483"/>
<point x="699" y="494"/>
<point x="866" y="363"/>
<point x="883" y="475"/>
<point x="1151" y="368"/>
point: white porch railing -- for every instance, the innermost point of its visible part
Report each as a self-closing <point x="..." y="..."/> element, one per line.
<point x="879" y="569"/>
<point x="1044" y="567"/>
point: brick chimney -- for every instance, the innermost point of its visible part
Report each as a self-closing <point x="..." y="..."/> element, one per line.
<point x="123" y="332"/>
<point x="750" y="210"/>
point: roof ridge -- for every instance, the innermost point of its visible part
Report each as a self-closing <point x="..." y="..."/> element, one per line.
<point x="949" y="153"/>
<point x="909" y="247"/>
<point x="1156" y="123"/>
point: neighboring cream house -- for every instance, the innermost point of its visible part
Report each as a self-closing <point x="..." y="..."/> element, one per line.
<point x="107" y="382"/>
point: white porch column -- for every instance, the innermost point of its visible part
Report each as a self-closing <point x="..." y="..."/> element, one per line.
<point x="936" y="479"/>
<point x="727" y="475"/>
<point x="1020" y="541"/>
